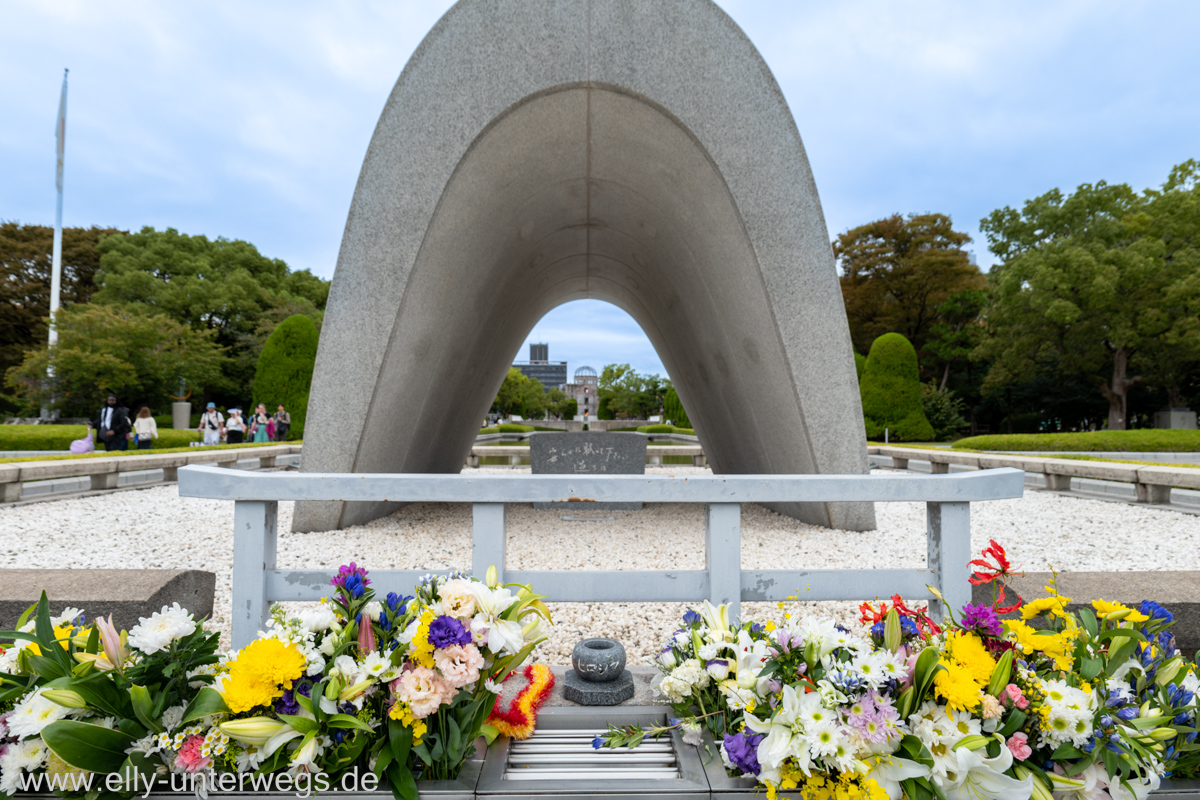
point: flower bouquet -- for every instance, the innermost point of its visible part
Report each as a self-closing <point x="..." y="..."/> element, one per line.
<point x="1091" y="705"/>
<point x="395" y="690"/>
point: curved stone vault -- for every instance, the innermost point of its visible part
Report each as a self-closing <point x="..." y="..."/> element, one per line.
<point x="535" y="152"/>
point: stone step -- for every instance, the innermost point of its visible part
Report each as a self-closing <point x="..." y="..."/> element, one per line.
<point x="1178" y="592"/>
<point x="127" y="594"/>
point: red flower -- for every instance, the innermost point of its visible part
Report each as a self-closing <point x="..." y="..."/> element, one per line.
<point x="995" y="575"/>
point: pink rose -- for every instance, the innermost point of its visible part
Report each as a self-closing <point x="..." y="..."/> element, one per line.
<point x="1014" y="695"/>
<point x="1018" y="745"/>
<point x="459" y="664"/>
<point x="424" y="691"/>
<point x="189" y="758"/>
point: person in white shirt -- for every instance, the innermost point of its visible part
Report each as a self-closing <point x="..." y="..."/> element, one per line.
<point x="145" y="429"/>
<point x="112" y="425"/>
<point x="235" y="428"/>
<point x="212" y="425"/>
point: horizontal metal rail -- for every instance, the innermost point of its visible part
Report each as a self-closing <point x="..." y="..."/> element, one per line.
<point x="257" y="582"/>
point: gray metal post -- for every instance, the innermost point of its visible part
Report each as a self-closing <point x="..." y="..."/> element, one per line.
<point x="253" y="555"/>
<point x="723" y="555"/>
<point x="949" y="537"/>
<point x="488" y="539"/>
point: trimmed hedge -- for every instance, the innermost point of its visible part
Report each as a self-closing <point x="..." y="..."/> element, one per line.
<point x="507" y="427"/>
<point x="59" y="437"/>
<point x="673" y="408"/>
<point x="860" y="365"/>
<point x="123" y="453"/>
<point x="891" y="392"/>
<point x="664" y="429"/>
<point x="285" y="370"/>
<point x="1148" y="440"/>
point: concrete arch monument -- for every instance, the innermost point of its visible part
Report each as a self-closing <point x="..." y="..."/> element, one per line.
<point x="535" y="152"/>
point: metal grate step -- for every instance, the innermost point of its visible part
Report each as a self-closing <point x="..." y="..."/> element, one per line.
<point x="567" y="754"/>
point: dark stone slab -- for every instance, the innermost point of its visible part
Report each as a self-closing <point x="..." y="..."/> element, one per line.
<point x="643" y="694"/>
<point x="588" y="693"/>
<point x="588" y="454"/>
<point x="1179" y="592"/>
<point x="127" y="594"/>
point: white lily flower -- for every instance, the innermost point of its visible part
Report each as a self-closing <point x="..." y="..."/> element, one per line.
<point x="785" y="734"/>
<point x="978" y="776"/>
<point x="501" y="635"/>
<point x="280" y="739"/>
<point x="716" y="619"/>
<point x="888" y="770"/>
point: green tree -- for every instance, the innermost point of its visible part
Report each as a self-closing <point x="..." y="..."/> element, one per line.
<point x="626" y="394"/>
<point x="943" y="409"/>
<point x="1171" y="360"/>
<point x="891" y="392"/>
<point x="1084" y="288"/>
<point x="139" y="357"/>
<point x="898" y="271"/>
<point x="285" y="370"/>
<point x="521" y="395"/>
<point x="958" y="331"/>
<point x="220" y="285"/>
<point x="26" y="253"/>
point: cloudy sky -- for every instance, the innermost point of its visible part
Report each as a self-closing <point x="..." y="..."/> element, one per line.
<point x="250" y="119"/>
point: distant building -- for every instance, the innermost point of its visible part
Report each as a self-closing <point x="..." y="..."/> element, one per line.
<point x="584" y="391"/>
<point x="552" y="374"/>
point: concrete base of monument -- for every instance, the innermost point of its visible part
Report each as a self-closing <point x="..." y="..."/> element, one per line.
<point x="588" y="506"/>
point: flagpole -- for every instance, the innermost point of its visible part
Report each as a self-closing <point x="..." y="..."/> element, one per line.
<point x="60" y="135"/>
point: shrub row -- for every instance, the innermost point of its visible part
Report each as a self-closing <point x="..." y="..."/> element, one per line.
<point x="666" y="429"/>
<point x="155" y="451"/>
<point x="1136" y="441"/>
<point x="59" y="437"/>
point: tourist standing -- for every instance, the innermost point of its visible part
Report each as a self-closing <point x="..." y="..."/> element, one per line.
<point x="145" y="428"/>
<point x="283" y="422"/>
<point x="261" y="424"/>
<point x="212" y="425"/>
<point x="112" y="425"/>
<point x="235" y="428"/>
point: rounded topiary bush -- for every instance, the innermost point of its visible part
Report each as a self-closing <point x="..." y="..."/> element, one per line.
<point x="674" y="410"/>
<point x="891" y="392"/>
<point x="860" y="365"/>
<point x="285" y="369"/>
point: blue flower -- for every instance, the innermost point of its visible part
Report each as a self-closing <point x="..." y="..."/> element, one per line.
<point x="1155" y="611"/>
<point x="598" y="742"/>
<point x="691" y="618"/>
<point x="1127" y="714"/>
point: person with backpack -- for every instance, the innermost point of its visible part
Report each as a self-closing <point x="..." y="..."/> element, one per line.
<point x="212" y="425"/>
<point x="283" y="421"/>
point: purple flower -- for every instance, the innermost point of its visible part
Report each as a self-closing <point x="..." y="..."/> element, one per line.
<point x="288" y="703"/>
<point x="345" y="571"/>
<point x="742" y="750"/>
<point x="981" y="618"/>
<point x="445" y="631"/>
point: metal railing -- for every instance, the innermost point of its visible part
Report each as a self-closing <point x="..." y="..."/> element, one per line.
<point x="257" y="582"/>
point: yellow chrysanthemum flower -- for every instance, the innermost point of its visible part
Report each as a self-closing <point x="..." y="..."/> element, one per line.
<point x="957" y="686"/>
<point x="272" y="661"/>
<point x="401" y="712"/>
<point x="1104" y="608"/>
<point x="969" y="651"/>
<point x="243" y="692"/>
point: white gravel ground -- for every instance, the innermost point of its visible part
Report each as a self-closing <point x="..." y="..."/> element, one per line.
<point x="155" y="528"/>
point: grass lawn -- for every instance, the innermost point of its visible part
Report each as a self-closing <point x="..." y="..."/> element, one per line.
<point x="1148" y="440"/>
